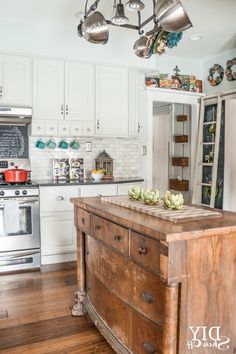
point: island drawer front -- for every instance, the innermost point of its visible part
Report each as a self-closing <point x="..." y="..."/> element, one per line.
<point x="147" y="337"/>
<point x="83" y="220"/>
<point x="112" y="234"/>
<point x="145" y="251"/>
<point x="115" y="313"/>
<point x="139" y="334"/>
<point x="142" y="290"/>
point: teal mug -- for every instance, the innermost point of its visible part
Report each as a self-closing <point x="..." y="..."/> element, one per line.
<point x="51" y="144"/>
<point x="75" y="144"/>
<point x="63" y="144"/>
<point x="40" y="144"/>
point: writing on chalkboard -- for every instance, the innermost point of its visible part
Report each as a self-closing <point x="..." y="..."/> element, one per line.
<point x="14" y="141"/>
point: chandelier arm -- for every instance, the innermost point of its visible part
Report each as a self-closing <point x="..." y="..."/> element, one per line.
<point x="133" y="27"/>
<point x="144" y="23"/>
<point x="139" y="24"/>
<point x="92" y="8"/>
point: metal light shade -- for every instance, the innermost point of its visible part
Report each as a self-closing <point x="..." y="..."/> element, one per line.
<point x="172" y="16"/>
<point x="95" y="29"/>
<point x="119" y="18"/>
<point x="135" y="5"/>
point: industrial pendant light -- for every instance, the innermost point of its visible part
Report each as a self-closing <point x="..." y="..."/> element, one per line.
<point x="119" y="18"/>
<point x="135" y="5"/>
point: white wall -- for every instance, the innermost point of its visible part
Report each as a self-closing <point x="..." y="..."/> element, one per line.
<point x="225" y="85"/>
<point x="63" y="41"/>
<point x="166" y="63"/>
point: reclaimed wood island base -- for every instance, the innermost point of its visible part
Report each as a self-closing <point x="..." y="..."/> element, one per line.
<point x="153" y="286"/>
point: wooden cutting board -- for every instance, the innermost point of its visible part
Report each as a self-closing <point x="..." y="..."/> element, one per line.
<point x="187" y="213"/>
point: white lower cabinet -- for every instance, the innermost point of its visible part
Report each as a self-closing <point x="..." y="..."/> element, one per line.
<point x="58" y="233"/>
<point x="58" y="238"/>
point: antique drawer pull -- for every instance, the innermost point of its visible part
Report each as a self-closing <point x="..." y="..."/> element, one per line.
<point x="117" y="238"/>
<point x="147" y="297"/>
<point x="142" y="250"/>
<point x="149" y="347"/>
<point x="83" y="221"/>
<point x="97" y="227"/>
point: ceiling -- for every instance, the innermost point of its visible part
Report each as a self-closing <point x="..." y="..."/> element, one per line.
<point x="214" y="20"/>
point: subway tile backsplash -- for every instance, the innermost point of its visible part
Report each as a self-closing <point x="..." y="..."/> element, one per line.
<point x="124" y="151"/>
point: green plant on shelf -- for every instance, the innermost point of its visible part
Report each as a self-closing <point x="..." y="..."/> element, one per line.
<point x="212" y="129"/>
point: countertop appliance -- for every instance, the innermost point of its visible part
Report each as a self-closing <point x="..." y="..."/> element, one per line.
<point x="19" y="222"/>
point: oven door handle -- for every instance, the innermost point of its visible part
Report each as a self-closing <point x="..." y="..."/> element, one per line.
<point x="19" y="254"/>
<point x="25" y="202"/>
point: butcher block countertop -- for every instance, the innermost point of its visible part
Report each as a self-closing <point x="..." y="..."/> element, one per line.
<point x="158" y="228"/>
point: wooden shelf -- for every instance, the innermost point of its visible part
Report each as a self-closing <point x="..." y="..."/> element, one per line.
<point x="181" y="138"/>
<point x="178" y="185"/>
<point x="180" y="161"/>
<point x="182" y="118"/>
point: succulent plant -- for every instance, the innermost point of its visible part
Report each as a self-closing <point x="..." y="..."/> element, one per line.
<point x="150" y="196"/>
<point x="173" y="201"/>
<point x="135" y="192"/>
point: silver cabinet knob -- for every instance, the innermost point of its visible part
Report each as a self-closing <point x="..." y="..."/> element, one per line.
<point x="60" y="198"/>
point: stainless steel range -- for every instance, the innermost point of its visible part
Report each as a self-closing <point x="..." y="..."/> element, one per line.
<point x="19" y="223"/>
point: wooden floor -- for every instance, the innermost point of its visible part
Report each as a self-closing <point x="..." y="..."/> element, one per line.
<point x="35" y="315"/>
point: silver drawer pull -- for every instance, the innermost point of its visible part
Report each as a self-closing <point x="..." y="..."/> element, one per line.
<point x="117" y="238"/>
<point x="149" y="348"/>
<point x="60" y="198"/>
<point x="142" y="250"/>
<point x="147" y="297"/>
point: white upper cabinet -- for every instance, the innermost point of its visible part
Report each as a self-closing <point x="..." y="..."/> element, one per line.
<point x="63" y="90"/>
<point x="137" y="103"/>
<point x="15" y="80"/>
<point x="111" y="101"/>
<point x="79" y="92"/>
<point x="48" y="89"/>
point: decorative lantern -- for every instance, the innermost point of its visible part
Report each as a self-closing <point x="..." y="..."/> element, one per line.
<point x="105" y="162"/>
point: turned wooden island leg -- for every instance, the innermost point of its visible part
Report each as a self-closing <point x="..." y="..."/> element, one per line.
<point x="78" y="308"/>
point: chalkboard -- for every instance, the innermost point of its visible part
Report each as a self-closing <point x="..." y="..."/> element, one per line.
<point x="14" y="141"/>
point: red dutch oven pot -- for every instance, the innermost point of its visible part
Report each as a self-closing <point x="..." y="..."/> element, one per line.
<point x="16" y="175"/>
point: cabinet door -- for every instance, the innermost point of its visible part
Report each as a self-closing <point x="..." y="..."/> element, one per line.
<point x="48" y="89"/>
<point x="58" y="234"/>
<point x="111" y="101"/>
<point x="79" y="92"/>
<point x="15" y="80"/>
<point x="137" y="103"/>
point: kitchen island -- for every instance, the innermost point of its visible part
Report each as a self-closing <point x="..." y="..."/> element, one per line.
<point x="155" y="286"/>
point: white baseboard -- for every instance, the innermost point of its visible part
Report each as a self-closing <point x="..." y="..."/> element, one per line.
<point x="58" y="258"/>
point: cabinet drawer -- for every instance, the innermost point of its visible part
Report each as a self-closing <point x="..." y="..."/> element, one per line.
<point x="76" y="129"/>
<point x="54" y="199"/>
<point x="88" y="129"/>
<point x="64" y="129"/>
<point x="83" y="220"/>
<point x="99" y="190"/>
<point x="114" y="312"/>
<point x="51" y="129"/>
<point x="112" y="234"/>
<point x="37" y="128"/>
<point x="146" y="337"/>
<point x="142" y="290"/>
<point x="146" y="251"/>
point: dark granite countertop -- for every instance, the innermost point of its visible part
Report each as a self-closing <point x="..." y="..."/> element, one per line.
<point x="89" y="181"/>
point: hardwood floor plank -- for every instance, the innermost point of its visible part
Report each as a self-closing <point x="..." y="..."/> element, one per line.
<point x="40" y="321"/>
